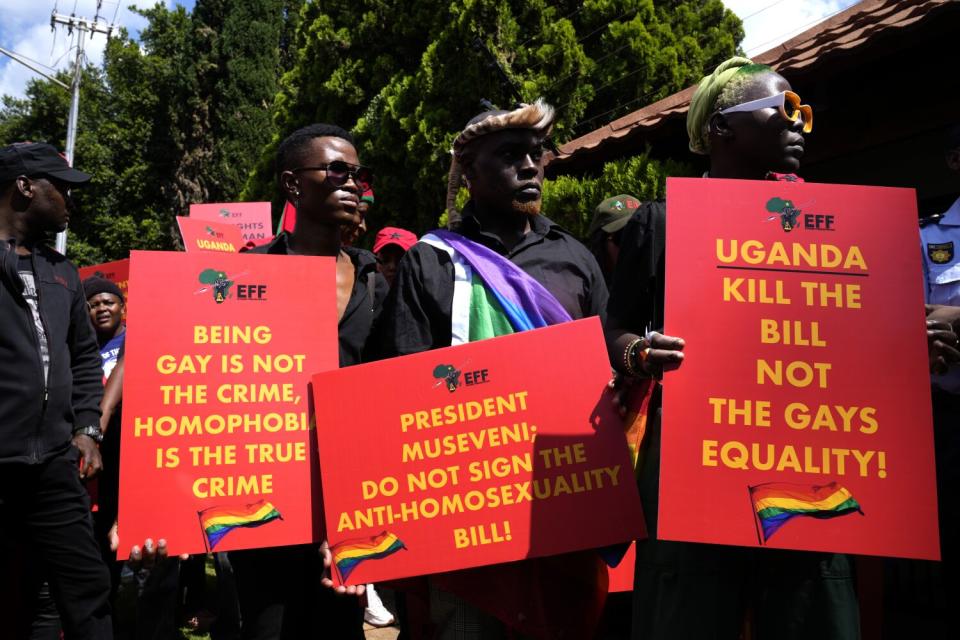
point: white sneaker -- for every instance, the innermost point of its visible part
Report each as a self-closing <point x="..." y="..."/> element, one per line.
<point x="376" y="614"/>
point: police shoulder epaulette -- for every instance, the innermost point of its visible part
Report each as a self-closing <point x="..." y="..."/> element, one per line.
<point x="928" y="220"/>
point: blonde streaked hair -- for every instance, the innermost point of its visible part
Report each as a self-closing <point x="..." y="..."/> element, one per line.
<point x="538" y="116"/>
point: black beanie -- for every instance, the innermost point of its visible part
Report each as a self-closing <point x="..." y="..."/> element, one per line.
<point x="95" y="284"/>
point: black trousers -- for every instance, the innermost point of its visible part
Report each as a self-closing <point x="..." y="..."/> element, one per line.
<point x="45" y="519"/>
<point x="281" y="597"/>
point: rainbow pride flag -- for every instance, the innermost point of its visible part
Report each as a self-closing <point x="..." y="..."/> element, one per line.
<point x="777" y="502"/>
<point x="349" y="553"/>
<point x="491" y="295"/>
<point x="219" y="521"/>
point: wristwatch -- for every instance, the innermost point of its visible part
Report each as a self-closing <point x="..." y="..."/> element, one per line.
<point x="90" y="430"/>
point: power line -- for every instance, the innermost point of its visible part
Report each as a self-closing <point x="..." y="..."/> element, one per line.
<point x="539" y="33"/>
<point x="597" y="61"/>
<point x="25" y="61"/>
<point x="595" y="31"/>
<point x="789" y="34"/>
<point x="756" y="13"/>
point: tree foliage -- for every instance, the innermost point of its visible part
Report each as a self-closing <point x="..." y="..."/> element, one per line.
<point x="570" y="201"/>
<point x="193" y="112"/>
<point x="175" y="119"/>
<point x="406" y="77"/>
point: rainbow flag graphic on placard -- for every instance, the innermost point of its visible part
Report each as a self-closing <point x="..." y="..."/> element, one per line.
<point x="217" y="522"/>
<point x="775" y="503"/>
<point x="349" y="553"/>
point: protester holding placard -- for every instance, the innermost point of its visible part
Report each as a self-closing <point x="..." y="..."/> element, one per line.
<point x="448" y="291"/>
<point x="745" y="117"/>
<point x="318" y="172"/>
<point x="50" y="390"/>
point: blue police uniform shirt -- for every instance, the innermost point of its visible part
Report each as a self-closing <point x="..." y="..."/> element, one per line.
<point x="940" y="243"/>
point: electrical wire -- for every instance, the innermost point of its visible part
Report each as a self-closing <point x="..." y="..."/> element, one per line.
<point x="595" y="31"/>
<point x="789" y="34"/>
<point x="756" y="13"/>
<point x="541" y="32"/>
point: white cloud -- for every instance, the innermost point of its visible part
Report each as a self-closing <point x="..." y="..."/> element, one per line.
<point x="767" y="23"/>
<point x="25" y="29"/>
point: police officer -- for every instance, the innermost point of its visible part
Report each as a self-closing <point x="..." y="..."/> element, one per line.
<point x="940" y="240"/>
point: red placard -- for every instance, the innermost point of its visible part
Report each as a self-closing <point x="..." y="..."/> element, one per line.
<point x="207" y="235"/>
<point x="116" y="272"/>
<point x="801" y="416"/>
<point x="252" y="218"/>
<point x="478" y="454"/>
<point x="621" y="576"/>
<point x="217" y="447"/>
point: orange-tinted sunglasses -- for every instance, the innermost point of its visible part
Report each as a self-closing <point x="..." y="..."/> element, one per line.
<point x="787" y="102"/>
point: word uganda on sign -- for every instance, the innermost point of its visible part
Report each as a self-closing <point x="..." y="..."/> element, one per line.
<point x="800" y="417"/>
<point x="487" y="452"/>
<point x="217" y="446"/>
<point x="207" y="235"/>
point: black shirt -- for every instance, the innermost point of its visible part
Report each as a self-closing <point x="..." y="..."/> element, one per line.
<point x="636" y="299"/>
<point x="417" y="313"/>
<point x="366" y="299"/>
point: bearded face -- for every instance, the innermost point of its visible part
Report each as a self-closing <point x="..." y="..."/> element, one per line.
<point x="504" y="171"/>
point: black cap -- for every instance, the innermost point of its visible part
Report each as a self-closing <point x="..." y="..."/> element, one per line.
<point x="95" y="285"/>
<point x="37" y="160"/>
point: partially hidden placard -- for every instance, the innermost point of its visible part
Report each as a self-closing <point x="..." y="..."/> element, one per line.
<point x="116" y="272"/>
<point x="800" y="417"/>
<point x="209" y="235"/>
<point x="252" y="218"/>
<point x="217" y="446"/>
<point x="483" y="453"/>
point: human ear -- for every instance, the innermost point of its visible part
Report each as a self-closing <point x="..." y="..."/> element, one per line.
<point x="290" y="184"/>
<point x="24" y="186"/>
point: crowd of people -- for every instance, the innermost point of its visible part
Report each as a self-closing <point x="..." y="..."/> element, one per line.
<point x="61" y="392"/>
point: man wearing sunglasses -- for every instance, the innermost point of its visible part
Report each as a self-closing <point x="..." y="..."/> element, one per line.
<point x="318" y="173"/>
<point x="751" y="124"/>
<point x="50" y="390"/>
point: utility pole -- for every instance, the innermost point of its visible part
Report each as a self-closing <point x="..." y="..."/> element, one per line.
<point x="83" y="27"/>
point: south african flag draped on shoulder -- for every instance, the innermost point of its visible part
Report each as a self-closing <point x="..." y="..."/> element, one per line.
<point x="542" y="597"/>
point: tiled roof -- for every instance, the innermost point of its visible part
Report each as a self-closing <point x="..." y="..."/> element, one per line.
<point x="819" y="46"/>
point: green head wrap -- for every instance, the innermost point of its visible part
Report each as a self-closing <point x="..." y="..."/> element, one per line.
<point x="705" y="99"/>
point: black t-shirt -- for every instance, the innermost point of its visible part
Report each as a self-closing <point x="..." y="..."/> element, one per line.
<point x="417" y="313"/>
<point x="636" y="299"/>
<point x="365" y="302"/>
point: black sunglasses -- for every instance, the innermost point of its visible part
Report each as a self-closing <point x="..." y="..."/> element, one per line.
<point x="338" y="172"/>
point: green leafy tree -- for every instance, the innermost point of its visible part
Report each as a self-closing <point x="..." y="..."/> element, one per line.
<point x="570" y="201"/>
<point x="405" y="78"/>
<point x="177" y="118"/>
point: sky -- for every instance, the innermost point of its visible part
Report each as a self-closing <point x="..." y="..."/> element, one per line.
<point x="25" y="29"/>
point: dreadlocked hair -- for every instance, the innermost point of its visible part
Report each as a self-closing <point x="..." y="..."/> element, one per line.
<point x="538" y="116"/>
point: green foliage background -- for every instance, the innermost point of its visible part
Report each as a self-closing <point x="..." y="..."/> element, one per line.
<point x="194" y="112"/>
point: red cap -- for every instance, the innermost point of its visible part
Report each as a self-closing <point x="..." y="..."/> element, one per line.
<point x="394" y="235"/>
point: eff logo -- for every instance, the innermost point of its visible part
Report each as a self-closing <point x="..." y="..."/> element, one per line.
<point x="789" y="215"/>
<point x="449" y="375"/>
<point x="220" y="285"/>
